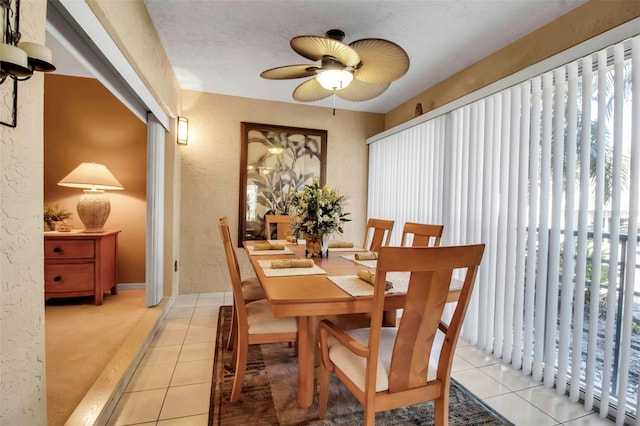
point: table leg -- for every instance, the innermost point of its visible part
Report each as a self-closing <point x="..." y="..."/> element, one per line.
<point x="307" y="328"/>
<point x="390" y="318"/>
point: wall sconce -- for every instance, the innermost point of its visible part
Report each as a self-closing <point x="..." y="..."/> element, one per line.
<point x="93" y="206"/>
<point x="183" y="130"/>
<point x="19" y="60"/>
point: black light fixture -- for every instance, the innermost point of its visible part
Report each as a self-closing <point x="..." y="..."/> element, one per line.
<point x="19" y="59"/>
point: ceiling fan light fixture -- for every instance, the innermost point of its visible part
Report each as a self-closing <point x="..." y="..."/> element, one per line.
<point x="354" y="72"/>
<point x="333" y="79"/>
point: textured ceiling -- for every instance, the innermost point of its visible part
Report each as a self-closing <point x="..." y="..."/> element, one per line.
<point x="222" y="46"/>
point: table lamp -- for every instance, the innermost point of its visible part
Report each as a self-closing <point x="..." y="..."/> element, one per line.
<point x="93" y="206"/>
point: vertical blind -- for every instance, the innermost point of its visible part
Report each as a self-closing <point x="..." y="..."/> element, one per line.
<point x="546" y="174"/>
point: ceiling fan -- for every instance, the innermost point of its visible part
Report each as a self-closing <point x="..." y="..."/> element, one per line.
<point x="358" y="71"/>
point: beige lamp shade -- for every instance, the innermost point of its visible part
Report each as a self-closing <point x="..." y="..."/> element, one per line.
<point x="91" y="176"/>
<point x="93" y="207"/>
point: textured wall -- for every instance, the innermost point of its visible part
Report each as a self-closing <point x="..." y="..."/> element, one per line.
<point x="130" y="26"/>
<point x="22" y="356"/>
<point x="211" y="174"/>
<point x="582" y="23"/>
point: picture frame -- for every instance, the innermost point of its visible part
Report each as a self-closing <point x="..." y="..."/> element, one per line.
<point x="274" y="162"/>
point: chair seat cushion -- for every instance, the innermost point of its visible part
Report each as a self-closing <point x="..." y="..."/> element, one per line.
<point x="354" y="367"/>
<point x="261" y="320"/>
<point x="252" y="290"/>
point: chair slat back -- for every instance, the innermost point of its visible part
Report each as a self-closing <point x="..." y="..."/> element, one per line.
<point x="224" y="233"/>
<point x="423" y="234"/>
<point x="283" y="226"/>
<point x="234" y="268"/>
<point x="431" y="270"/>
<point x="381" y="233"/>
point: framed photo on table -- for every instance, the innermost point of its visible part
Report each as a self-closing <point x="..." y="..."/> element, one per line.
<point x="274" y="162"/>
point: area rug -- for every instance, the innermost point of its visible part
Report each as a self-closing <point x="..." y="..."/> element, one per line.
<point x="269" y="394"/>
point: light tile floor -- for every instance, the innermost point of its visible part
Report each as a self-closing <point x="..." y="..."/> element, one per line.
<point x="171" y="385"/>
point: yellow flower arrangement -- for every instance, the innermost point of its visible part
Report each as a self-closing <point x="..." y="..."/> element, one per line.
<point x="317" y="210"/>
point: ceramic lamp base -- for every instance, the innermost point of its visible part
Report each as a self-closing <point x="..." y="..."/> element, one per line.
<point x="93" y="209"/>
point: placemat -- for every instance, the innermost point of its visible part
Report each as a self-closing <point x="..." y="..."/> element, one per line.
<point x="357" y="287"/>
<point x="339" y="249"/>
<point x="286" y="272"/>
<point x="286" y="250"/>
<point x="336" y="249"/>
<point x="367" y="263"/>
<point x="285" y="242"/>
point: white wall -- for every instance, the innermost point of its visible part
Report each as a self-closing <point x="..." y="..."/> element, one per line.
<point x="22" y="356"/>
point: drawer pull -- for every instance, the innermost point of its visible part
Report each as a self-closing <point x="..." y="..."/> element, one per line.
<point x="57" y="278"/>
<point x="57" y="249"/>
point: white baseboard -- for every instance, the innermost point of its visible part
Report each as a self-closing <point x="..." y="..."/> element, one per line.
<point x="131" y="286"/>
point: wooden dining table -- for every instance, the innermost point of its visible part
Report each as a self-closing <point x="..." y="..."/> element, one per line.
<point x="313" y="297"/>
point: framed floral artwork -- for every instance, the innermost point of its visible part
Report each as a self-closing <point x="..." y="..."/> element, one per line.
<point x="275" y="162"/>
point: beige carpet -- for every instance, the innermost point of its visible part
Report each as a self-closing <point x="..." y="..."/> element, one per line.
<point x="80" y="339"/>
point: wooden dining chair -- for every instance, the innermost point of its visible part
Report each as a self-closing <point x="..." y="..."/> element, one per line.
<point x="389" y="367"/>
<point x="255" y="322"/>
<point x="380" y="231"/>
<point x="251" y="288"/>
<point x="283" y="226"/>
<point x="423" y="234"/>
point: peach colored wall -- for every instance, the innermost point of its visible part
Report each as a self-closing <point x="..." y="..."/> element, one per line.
<point x="211" y="174"/>
<point x="84" y="122"/>
<point x="582" y="23"/>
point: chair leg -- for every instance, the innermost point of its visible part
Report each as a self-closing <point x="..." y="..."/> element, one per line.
<point x="369" y="416"/>
<point x="234" y="353"/>
<point x="240" y="349"/>
<point x="323" y="395"/>
<point x="233" y="329"/>
<point x="441" y="410"/>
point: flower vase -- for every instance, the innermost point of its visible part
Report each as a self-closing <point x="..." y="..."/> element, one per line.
<point x="324" y="243"/>
<point x="317" y="245"/>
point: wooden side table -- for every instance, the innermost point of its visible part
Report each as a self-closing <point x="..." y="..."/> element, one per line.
<point x="80" y="264"/>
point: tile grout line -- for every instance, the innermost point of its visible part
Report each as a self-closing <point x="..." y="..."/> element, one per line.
<point x="222" y="302"/>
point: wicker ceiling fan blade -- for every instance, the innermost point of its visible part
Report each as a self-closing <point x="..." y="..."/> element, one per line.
<point x="315" y="48"/>
<point x="360" y="91"/>
<point x="311" y="91"/>
<point x="374" y="63"/>
<point x="382" y="61"/>
<point x="289" y="72"/>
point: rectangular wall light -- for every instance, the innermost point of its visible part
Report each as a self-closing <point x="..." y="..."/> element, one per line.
<point x="183" y="130"/>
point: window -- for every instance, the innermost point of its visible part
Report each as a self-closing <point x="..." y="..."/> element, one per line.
<point x="547" y="174"/>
